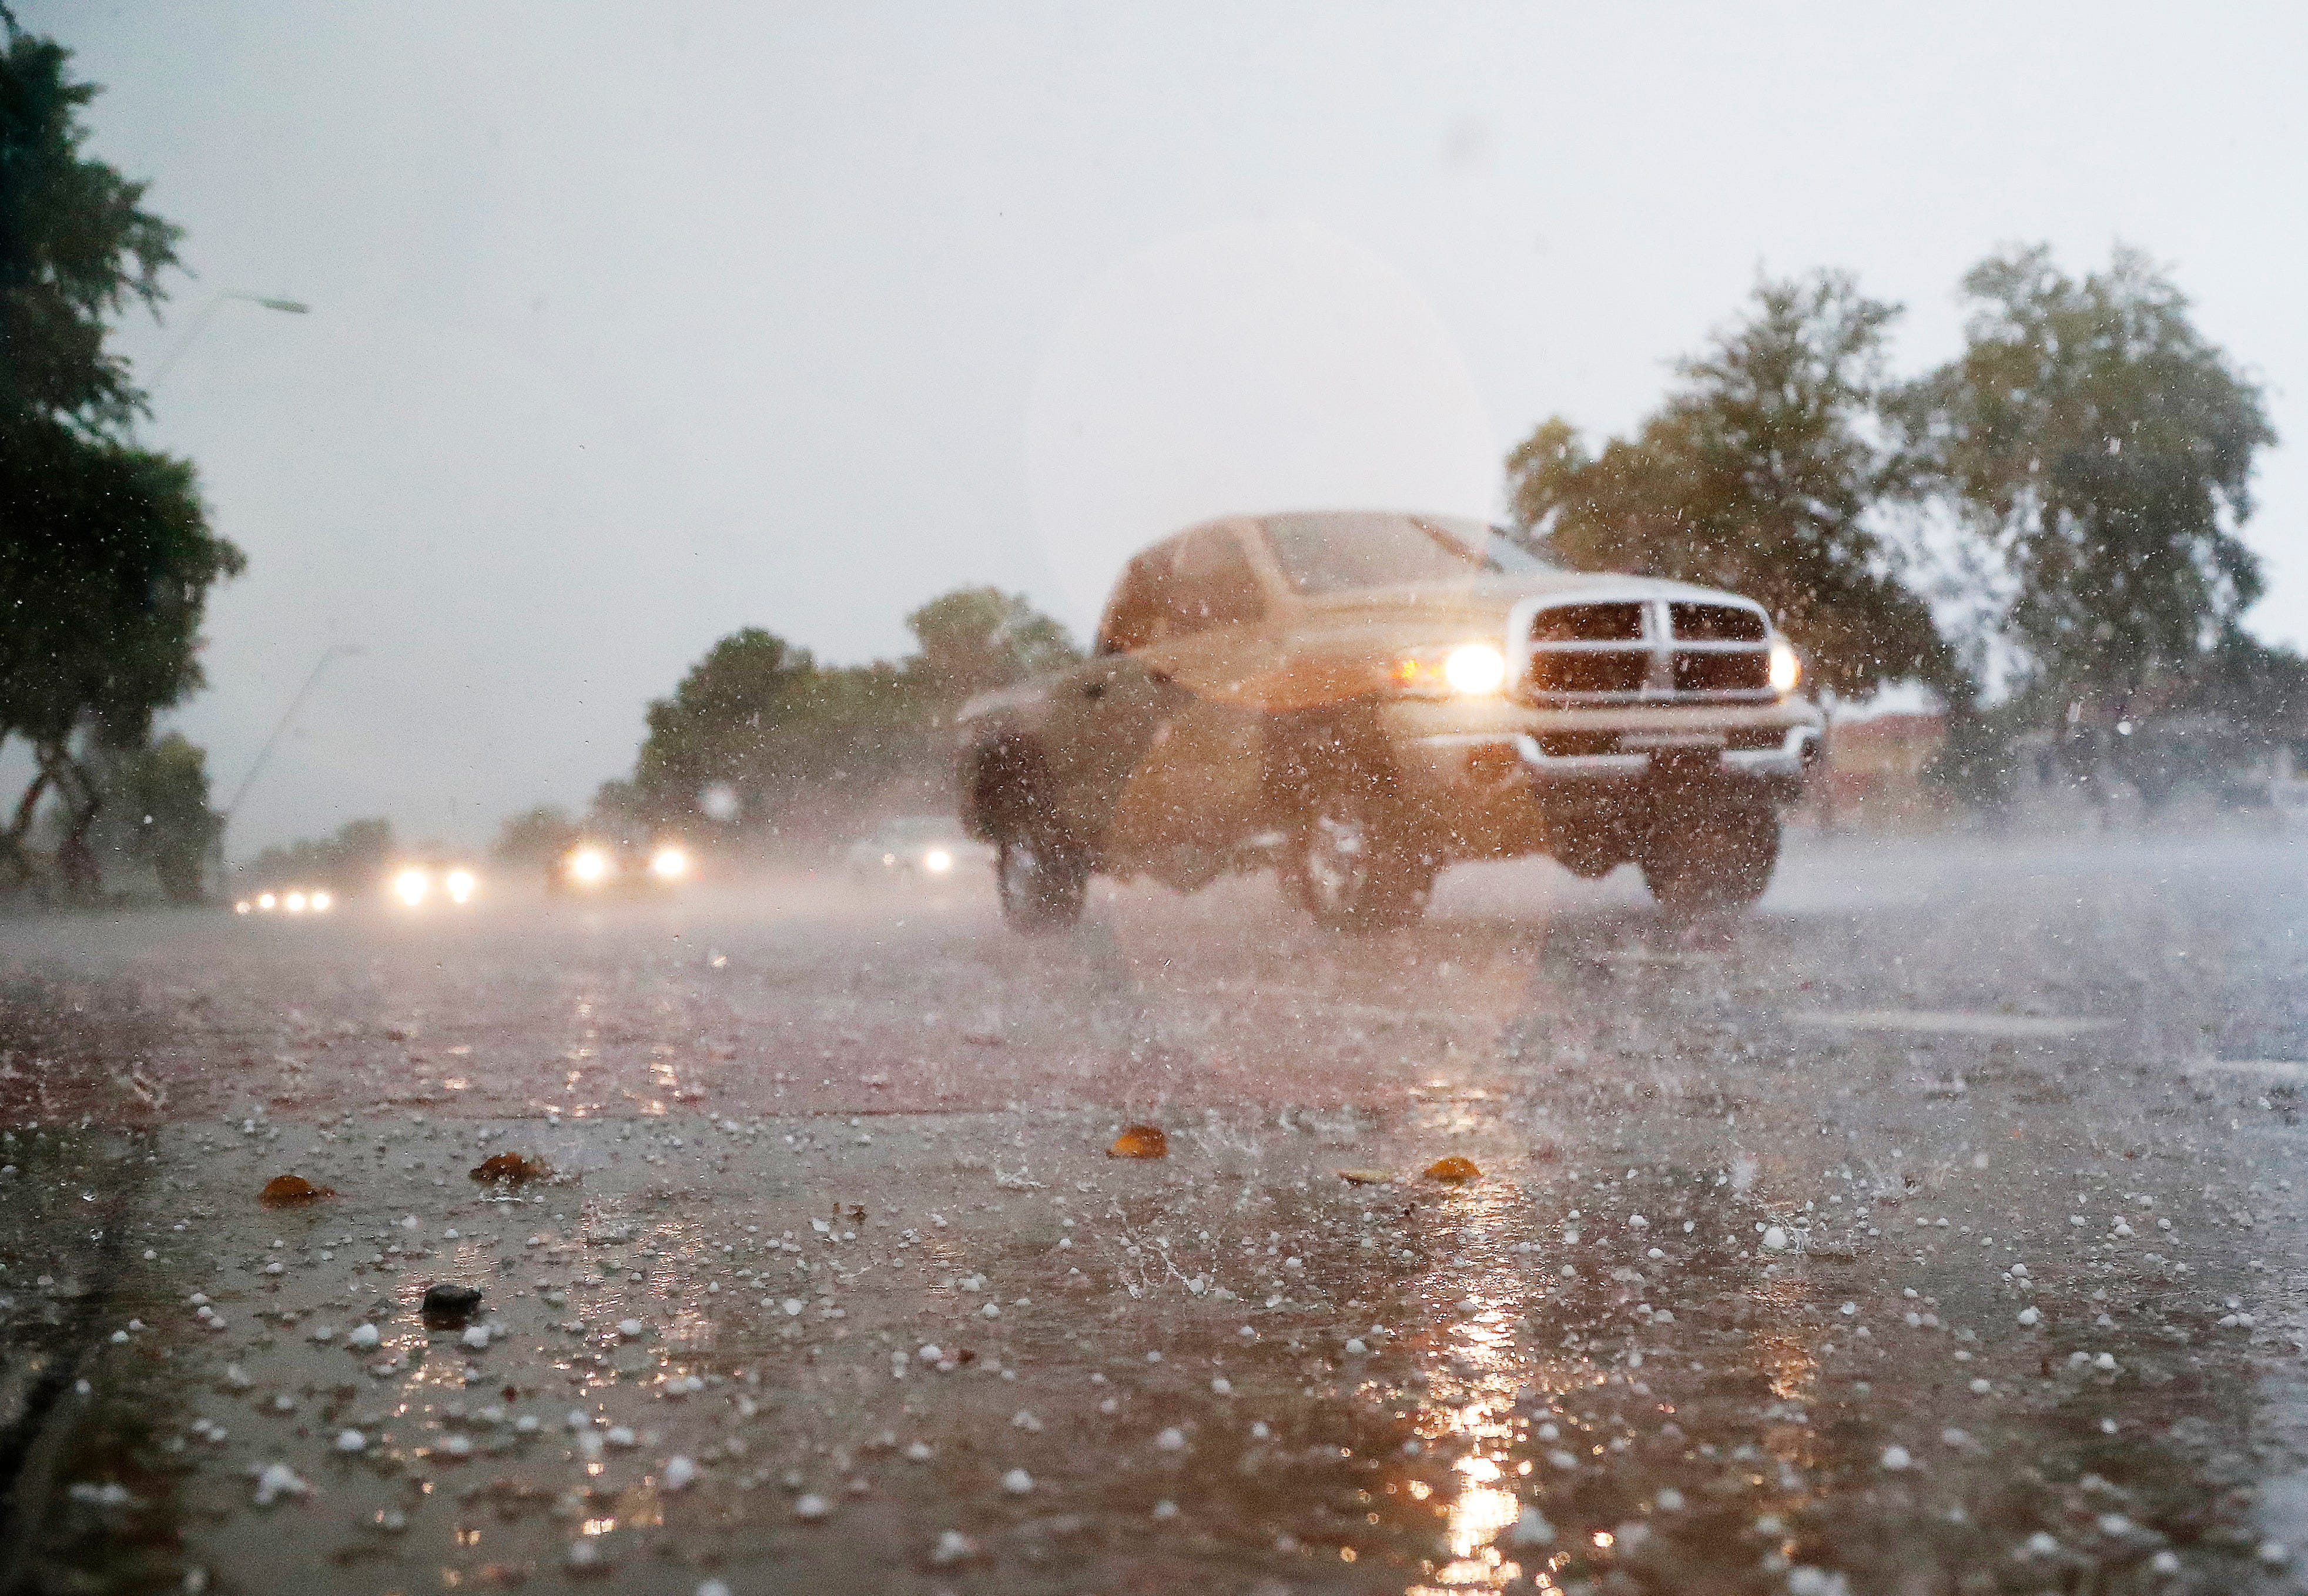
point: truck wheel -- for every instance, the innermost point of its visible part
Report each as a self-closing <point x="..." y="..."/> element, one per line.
<point x="1352" y="866"/>
<point x="1040" y="883"/>
<point x="1718" y="856"/>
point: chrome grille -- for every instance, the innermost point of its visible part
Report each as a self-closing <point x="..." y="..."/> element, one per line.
<point x="1590" y="648"/>
<point x="1588" y="624"/>
<point x="1616" y="670"/>
<point x="1720" y="648"/>
<point x="1744" y="671"/>
<point x="1715" y="623"/>
<point x="1649" y="649"/>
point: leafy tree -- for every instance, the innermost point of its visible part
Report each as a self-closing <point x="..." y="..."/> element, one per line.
<point x="720" y="721"/>
<point x="153" y="812"/>
<point x="1976" y="764"/>
<point x="618" y="806"/>
<point x="2098" y="443"/>
<point x="761" y="721"/>
<point x="1763" y="472"/>
<point x="975" y="639"/>
<point x="166" y="794"/>
<point x="106" y="561"/>
<point x="76" y="248"/>
<point x="535" y="837"/>
<point x="759" y="717"/>
<point x="2261" y="686"/>
<point x="355" y="858"/>
<point x="106" y="556"/>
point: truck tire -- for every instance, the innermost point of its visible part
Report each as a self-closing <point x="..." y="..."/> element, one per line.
<point x="1351" y="863"/>
<point x="1703" y="857"/>
<point x="1040" y="881"/>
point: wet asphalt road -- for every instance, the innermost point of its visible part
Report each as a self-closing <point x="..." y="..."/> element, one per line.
<point x="1933" y="1229"/>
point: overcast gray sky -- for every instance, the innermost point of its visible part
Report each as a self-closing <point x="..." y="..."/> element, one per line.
<point x="629" y="331"/>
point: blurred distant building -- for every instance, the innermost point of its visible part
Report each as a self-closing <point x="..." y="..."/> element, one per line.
<point x="1874" y="774"/>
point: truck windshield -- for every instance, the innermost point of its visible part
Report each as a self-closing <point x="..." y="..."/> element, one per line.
<point x="1340" y="551"/>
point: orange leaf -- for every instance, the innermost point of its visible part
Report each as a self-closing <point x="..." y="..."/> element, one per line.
<point x="1453" y="1168"/>
<point x="511" y="1169"/>
<point x="1140" y="1141"/>
<point x="291" y="1188"/>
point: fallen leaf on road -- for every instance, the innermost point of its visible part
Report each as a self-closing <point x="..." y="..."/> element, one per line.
<point x="291" y="1188"/>
<point x="1367" y="1177"/>
<point x="1140" y="1141"/>
<point x="511" y="1169"/>
<point x="1453" y="1168"/>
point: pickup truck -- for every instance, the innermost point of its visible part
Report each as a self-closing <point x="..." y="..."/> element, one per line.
<point x="1358" y="698"/>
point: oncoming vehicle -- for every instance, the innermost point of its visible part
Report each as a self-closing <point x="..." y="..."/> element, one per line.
<point x="420" y="883"/>
<point x="926" y="848"/>
<point x="596" y="866"/>
<point x="1362" y="697"/>
<point x="286" y="900"/>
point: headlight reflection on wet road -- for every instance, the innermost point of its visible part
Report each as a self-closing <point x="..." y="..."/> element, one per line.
<point x="1471" y="1388"/>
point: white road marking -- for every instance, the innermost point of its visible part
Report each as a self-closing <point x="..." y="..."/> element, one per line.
<point x="2273" y="1069"/>
<point x="1950" y="1022"/>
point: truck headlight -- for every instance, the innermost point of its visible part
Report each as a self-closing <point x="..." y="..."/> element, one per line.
<point x="411" y="886"/>
<point x="589" y="867"/>
<point x="668" y="864"/>
<point x="1471" y="669"/>
<point x="1786" y="666"/>
<point x="460" y="884"/>
<point x="937" y="862"/>
<point x="1475" y="668"/>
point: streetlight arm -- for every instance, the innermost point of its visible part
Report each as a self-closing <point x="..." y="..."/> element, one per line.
<point x="207" y="313"/>
<point x="256" y="766"/>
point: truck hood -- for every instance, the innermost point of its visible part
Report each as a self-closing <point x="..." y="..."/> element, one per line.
<point x="1489" y="598"/>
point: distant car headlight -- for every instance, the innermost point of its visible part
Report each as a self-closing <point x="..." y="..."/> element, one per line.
<point x="1475" y="668"/>
<point x="459" y="885"/>
<point x="266" y="902"/>
<point x="411" y="886"/>
<point x="1786" y="666"/>
<point x="937" y="862"/>
<point x="241" y="907"/>
<point x="669" y="864"/>
<point x="319" y="902"/>
<point x="294" y="902"/>
<point x="589" y="867"/>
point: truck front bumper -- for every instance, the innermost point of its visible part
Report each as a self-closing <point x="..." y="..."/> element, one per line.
<point x="1493" y="788"/>
<point x="1798" y="750"/>
<point x="1446" y="747"/>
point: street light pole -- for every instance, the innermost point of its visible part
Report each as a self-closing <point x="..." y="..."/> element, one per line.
<point x="167" y="362"/>
<point x="279" y="729"/>
<point x="207" y="312"/>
